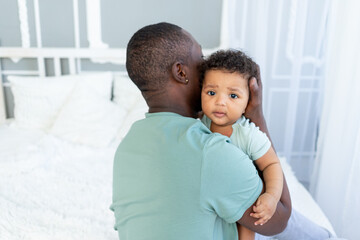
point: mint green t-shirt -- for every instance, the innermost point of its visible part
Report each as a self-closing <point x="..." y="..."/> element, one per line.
<point x="174" y="179"/>
<point x="246" y="136"/>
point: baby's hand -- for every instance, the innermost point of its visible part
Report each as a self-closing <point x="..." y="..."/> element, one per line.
<point x="264" y="209"/>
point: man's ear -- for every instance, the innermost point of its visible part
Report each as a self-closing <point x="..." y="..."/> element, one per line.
<point x="179" y="73"/>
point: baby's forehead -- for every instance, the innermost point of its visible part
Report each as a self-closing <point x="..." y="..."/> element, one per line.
<point x="227" y="71"/>
<point x="218" y="79"/>
<point x="220" y="73"/>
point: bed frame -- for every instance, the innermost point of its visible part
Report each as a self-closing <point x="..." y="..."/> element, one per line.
<point x="73" y="55"/>
<point x="98" y="51"/>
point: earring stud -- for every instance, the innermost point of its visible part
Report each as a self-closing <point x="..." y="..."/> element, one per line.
<point x="186" y="80"/>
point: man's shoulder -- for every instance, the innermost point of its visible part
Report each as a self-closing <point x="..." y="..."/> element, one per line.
<point x="222" y="147"/>
<point x="173" y="127"/>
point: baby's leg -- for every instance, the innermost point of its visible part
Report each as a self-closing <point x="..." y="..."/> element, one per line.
<point x="244" y="233"/>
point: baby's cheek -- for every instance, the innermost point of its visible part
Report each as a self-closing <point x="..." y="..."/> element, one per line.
<point x="204" y="100"/>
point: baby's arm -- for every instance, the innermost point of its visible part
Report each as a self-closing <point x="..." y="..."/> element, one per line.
<point x="266" y="204"/>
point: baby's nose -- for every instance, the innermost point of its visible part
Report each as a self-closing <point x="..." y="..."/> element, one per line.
<point x="220" y="100"/>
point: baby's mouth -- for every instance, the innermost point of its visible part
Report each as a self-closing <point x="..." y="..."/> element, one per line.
<point x="219" y="114"/>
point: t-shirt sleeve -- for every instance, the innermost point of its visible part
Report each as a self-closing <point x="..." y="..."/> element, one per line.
<point x="248" y="137"/>
<point x="206" y="121"/>
<point x="229" y="181"/>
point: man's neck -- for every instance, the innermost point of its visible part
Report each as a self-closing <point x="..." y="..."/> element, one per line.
<point x="166" y="100"/>
<point x="175" y="109"/>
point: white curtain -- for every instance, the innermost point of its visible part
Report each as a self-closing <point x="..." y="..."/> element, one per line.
<point x="286" y="38"/>
<point x="308" y="49"/>
<point x="336" y="179"/>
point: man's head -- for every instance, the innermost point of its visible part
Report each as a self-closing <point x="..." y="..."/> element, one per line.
<point x="162" y="60"/>
<point x="225" y="91"/>
<point x="151" y="52"/>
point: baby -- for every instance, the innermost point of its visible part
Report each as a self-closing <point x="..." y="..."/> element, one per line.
<point x="224" y="98"/>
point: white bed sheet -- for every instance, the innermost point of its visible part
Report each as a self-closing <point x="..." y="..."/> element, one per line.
<point x="302" y="200"/>
<point x="52" y="189"/>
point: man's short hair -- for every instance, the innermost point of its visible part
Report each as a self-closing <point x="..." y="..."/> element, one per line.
<point x="230" y="61"/>
<point x="152" y="51"/>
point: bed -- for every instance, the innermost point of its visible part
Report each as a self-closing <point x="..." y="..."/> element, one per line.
<point x="56" y="154"/>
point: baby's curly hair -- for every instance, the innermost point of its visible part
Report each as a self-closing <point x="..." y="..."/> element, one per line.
<point x="229" y="61"/>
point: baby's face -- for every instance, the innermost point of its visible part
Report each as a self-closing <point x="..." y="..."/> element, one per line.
<point x="224" y="96"/>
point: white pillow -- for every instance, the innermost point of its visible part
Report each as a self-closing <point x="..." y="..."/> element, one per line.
<point x="100" y="82"/>
<point x="88" y="118"/>
<point x="125" y="91"/>
<point x="38" y="99"/>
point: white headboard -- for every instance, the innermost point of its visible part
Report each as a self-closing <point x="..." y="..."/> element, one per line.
<point x="72" y="55"/>
<point x="97" y="50"/>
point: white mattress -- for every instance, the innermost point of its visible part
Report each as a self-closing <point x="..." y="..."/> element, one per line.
<point x="302" y="200"/>
<point x="51" y="189"/>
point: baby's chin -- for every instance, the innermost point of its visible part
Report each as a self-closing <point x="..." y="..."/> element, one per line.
<point x="222" y="123"/>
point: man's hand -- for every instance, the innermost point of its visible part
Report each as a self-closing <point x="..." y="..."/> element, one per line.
<point x="253" y="110"/>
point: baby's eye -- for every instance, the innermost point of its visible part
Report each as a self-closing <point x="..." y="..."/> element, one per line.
<point x="233" y="95"/>
<point x="211" y="93"/>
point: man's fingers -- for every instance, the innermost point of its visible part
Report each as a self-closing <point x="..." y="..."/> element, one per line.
<point x="253" y="84"/>
<point x="255" y="89"/>
<point x="258" y="77"/>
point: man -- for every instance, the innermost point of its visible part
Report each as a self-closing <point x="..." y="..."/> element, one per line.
<point x="173" y="178"/>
